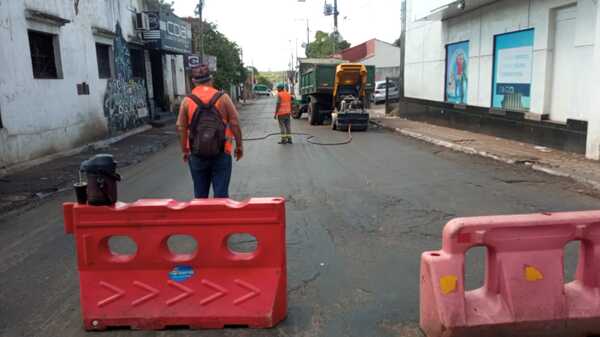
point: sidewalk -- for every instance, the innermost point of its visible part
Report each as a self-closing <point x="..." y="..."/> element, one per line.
<point x="28" y="186"/>
<point x="550" y="161"/>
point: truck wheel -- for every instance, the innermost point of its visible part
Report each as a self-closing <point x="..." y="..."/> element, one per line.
<point x="313" y="114"/>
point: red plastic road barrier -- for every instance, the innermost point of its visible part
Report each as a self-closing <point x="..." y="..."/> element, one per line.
<point x="524" y="292"/>
<point x="155" y="289"/>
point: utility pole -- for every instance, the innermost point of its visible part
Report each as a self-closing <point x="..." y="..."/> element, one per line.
<point x="307" y="36"/>
<point x="335" y="17"/>
<point x="200" y="12"/>
<point x="335" y="14"/>
<point x="402" y="49"/>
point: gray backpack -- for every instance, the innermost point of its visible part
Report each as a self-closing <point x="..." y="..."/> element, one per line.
<point x="207" y="130"/>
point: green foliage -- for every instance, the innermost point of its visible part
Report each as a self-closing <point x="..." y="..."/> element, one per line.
<point x="230" y="68"/>
<point x="256" y="72"/>
<point x="274" y="76"/>
<point x="160" y="5"/>
<point x="323" y="45"/>
<point x="261" y="79"/>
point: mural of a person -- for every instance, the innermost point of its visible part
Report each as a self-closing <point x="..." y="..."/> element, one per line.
<point x="459" y="76"/>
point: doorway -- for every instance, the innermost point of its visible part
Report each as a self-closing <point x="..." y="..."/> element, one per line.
<point x="564" y="59"/>
<point x="174" y="74"/>
<point x="157" y="79"/>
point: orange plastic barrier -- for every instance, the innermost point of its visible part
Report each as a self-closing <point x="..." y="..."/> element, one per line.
<point x="156" y="289"/>
<point x="524" y="292"/>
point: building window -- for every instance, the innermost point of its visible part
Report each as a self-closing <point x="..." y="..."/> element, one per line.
<point x="45" y="56"/>
<point x="103" y="57"/>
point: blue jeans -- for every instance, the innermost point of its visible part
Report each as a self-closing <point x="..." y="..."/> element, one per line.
<point x="215" y="171"/>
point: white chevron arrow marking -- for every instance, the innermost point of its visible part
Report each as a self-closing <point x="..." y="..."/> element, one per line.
<point x="186" y="292"/>
<point x="152" y="293"/>
<point x="253" y="292"/>
<point x="118" y="293"/>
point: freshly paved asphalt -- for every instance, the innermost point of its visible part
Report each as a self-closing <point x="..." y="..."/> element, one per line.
<point x="358" y="218"/>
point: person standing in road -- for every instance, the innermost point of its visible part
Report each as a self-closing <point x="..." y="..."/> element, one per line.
<point x="283" y="111"/>
<point x="208" y="123"/>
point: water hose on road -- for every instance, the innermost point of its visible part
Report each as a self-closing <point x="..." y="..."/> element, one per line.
<point x="309" y="138"/>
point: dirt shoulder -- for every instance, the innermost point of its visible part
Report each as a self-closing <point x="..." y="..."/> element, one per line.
<point x="25" y="188"/>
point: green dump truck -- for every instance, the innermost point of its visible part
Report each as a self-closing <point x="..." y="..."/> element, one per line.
<point x="317" y="81"/>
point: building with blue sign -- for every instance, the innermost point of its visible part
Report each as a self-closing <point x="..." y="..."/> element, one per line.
<point x="522" y="69"/>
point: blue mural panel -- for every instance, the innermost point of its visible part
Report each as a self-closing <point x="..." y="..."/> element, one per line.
<point x="457" y="65"/>
<point x="513" y="65"/>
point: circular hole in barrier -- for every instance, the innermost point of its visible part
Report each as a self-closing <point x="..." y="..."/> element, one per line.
<point x="435" y="254"/>
<point x="122" y="246"/>
<point x="242" y="243"/>
<point x="182" y="245"/>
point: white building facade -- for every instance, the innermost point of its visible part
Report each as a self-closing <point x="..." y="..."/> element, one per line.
<point x="386" y="59"/>
<point x="72" y="72"/>
<point x="538" y="57"/>
<point x="384" y="56"/>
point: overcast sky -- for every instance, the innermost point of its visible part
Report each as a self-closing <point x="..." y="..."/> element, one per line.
<point x="267" y="30"/>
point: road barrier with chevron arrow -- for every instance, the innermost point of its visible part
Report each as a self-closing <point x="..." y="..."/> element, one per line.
<point x="155" y="288"/>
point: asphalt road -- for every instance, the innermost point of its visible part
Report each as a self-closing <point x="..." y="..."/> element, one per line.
<point x="359" y="216"/>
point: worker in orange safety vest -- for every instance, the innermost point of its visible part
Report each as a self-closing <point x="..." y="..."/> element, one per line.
<point x="283" y="112"/>
<point x="210" y="106"/>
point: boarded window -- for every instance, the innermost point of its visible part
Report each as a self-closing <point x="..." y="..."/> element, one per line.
<point x="44" y="55"/>
<point x="103" y="57"/>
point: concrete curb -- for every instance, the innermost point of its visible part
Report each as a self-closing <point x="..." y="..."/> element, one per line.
<point x="99" y="144"/>
<point x="471" y="151"/>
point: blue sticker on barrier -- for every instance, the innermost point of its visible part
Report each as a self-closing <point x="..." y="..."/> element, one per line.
<point x="181" y="273"/>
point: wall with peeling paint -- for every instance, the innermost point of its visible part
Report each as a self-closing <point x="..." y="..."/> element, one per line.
<point x="43" y="116"/>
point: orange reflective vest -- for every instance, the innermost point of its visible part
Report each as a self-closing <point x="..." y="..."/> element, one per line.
<point x="205" y="94"/>
<point x="285" y="103"/>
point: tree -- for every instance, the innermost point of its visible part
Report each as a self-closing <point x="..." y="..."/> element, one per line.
<point x="323" y="45"/>
<point x="256" y="72"/>
<point x="230" y="68"/>
<point x="160" y="5"/>
<point x="261" y="79"/>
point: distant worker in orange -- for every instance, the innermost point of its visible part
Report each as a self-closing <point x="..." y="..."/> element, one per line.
<point x="208" y="124"/>
<point x="283" y="111"/>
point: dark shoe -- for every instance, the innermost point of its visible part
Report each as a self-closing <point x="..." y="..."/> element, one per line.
<point x="282" y="142"/>
<point x="290" y="141"/>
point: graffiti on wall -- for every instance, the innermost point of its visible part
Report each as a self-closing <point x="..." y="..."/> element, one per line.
<point x="125" y="104"/>
<point x="123" y="70"/>
<point x="125" y="100"/>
